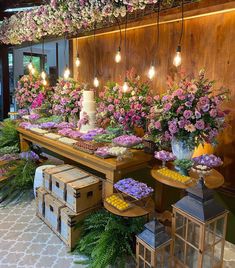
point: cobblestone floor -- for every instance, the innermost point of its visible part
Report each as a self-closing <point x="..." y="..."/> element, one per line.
<point x="26" y="242"/>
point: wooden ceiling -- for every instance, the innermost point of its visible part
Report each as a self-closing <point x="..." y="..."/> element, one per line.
<point x="6" y="4"/>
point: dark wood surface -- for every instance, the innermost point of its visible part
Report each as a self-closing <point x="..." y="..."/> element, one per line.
<point x="208" y="42"/>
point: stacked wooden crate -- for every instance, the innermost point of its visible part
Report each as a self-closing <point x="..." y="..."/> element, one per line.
<point x="68" y="195"/>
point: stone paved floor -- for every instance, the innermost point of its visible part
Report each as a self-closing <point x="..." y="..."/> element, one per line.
<point x="26" y="242"/>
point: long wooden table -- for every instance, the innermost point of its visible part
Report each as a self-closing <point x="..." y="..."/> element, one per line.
<point x="111" y="168"/>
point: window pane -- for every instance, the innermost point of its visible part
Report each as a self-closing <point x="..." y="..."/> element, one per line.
<point x="209" y="234"/>
<point x="179" y="249"/>
<point x="148" y="255"/>
<point x="218" y="252"/>
<point x="220" y="228"/>
<point x="141" y="250"/>
<point x="193" y="235"/>
<point x="180" y="225"/>
<point x="141" y="263"/>
<point x="207" y="259"/>
<point x="192" y="257"/>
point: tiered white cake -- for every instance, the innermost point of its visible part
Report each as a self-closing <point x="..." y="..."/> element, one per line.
<point x="89" y="109"/>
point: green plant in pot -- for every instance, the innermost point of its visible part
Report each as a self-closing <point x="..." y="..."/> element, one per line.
<point x="183" y="166"/>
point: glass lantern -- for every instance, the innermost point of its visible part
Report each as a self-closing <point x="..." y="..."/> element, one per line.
<point x="199" y="228"/>
<point x="154" y="247"/>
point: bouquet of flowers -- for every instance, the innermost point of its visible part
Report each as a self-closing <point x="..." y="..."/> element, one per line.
<point x="208" y="160"/>
<point x="190" y="111"/>
<point x="66" y="97"/>
<point x="28" y="89"/>
<point x="128" y="109"/>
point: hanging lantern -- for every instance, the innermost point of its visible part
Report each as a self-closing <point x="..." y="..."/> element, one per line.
<point x="199" y="228"/>
<point x="153" y="246"/>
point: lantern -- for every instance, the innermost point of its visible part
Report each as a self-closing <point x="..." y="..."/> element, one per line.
<point x="199" y="227"/>
<point x="153" y="246"/>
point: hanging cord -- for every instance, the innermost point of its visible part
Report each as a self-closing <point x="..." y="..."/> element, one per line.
<point x="126" y="47"/>
<point x="94" y="52"/>
<point x="77" y="47"/>
<point x="43" y="56"/>
<point x="182" y="22"/>
<point x="158" y="26"/>
<point x="31" y="51"/>
<point x="120" y="34"/>
<point x="65" y="46"/>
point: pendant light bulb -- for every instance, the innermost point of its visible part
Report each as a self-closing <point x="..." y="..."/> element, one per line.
<point x="118" y="56"/>
<point x="151" y="72"/>
<point x="66" y="73"/>
<point x="177" y="59"/>
<point x="77" y="62"/>
<point x="30" y="65"/>
<point x="43" y="75"/>
<point x="32" y="71"/>
<point x="44" y="82"/>
<point x="125" y="87"/>
<point x="96" y="82"/>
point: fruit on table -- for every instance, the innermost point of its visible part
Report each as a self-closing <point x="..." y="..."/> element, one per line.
<point x="174" y="175"/>
<point x="117" y="202"/>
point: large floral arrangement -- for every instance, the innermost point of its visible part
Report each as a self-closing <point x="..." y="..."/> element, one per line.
<point x="60" y="17"/>
<point x="190" y="111"/>
<point x="29" y="89"/>
<point x="66" y="97"/>
<point x="127" y="109"/>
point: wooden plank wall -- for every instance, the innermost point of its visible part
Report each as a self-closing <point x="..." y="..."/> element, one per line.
<point x="208" y="42"/>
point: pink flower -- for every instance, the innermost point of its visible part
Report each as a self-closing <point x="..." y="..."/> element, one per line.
<point x="167" y="107"/>
<point x="111" y="107"/>
<point x="187" y="114"/>
<point x="213" y="113"/>
<point x="200" y="124"/>
<point x="157" y="125"/>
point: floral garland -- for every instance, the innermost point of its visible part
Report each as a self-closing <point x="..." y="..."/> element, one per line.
<point x="66" y="97"/>
<point x="128" y="109"/>
<point x="29" y="92"/>
<point x="60" y="17"/>
<point x="191" y="111"/>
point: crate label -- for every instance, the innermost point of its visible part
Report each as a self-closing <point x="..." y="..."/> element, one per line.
<point x="58" y="191"/>
<point x="51" y="217"/>
<point x="64" y="230"/>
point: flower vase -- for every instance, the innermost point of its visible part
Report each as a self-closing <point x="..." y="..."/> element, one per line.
<point x="181" y="149"/>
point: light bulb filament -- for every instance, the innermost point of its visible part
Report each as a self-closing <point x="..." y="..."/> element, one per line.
<point x="151" y="72"/>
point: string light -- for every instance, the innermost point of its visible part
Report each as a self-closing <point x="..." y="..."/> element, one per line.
<point x="77" y="62"/>
<point x="32" y="71"/>
<point x="96" y="82"/>
<point x="152" y="71"/>
<point x="125" y="87"/>
<point x="43" y="73"/>
<point x="178" y="58"/>
<point x="30" y="65"/>
<point x="118" y="56"/>
<point x="44" y="82"/>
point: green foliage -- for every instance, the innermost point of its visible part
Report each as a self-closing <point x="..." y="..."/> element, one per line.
<point x="20" y="177"/>
<point x="184" y="163"/>
<point x="8" y="133"/>
<point x="107" y="239"/>
<point x="9" y="150"/>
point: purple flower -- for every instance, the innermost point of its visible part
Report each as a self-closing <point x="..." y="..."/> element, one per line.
<point x="200" y="124"/>
<point x="187" y="114"/>
<point x="208" y="160"/>
<point x="206" y="108"/>
<point x="198" y="114"/>
<point x="173" y="127"/>
<point x="127" y="140"/>
<point x="29" y="156"/>
<point x="164" y="156"/>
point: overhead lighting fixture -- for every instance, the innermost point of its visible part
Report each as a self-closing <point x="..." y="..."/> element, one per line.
<point x="178" y="59"/>
<point x="125" y="86"/>
<point x="66" y="71"/>
<point x="96" y="81"/>
<point x="78" y="61"/>
<point x="43" y="73"/>
<point x="118" y="55"/>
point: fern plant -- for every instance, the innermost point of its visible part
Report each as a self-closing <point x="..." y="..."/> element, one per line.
<point x="107" y="239"/>
<point x="8" y="133"/>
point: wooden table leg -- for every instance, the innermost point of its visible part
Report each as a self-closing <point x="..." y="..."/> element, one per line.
<point x="159" y="196"/>
<point x="24" y="144"/>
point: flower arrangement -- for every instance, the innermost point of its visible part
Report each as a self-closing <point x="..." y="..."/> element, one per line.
<point x="62" y="17"/>
<point x="89" y="136"/>
<point x="68" y="132"/>
<point x="102" y="151"/>
<point x="164" y="156"/>
<point x="29" y="89"/>
<point x="128" y="109"/>
<point x="133" y="188"/>
<point x="183" y="165"/>
<point x="29" y="156"/>
<point x="127" y="140"/>
<point x="66" y="97"/>
<point x="208" y="160"/>
<point x="190" y="111"/>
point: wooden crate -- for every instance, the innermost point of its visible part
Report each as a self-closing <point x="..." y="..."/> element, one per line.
<point x="60" y="180"/>
<point x="52" y="211"/>
<point x="47" y="175"/>
<point x="68" y="220"/>
<point x="84" y="193"/>
<point x="40" y="201"/>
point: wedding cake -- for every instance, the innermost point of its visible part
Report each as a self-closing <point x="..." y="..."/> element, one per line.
<point x="88" y="112"/>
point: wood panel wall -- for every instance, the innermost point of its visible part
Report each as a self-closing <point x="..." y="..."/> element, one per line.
<point x="208" y="42"/>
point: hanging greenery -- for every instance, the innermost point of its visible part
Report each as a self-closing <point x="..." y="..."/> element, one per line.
<point x="107" y="239"/>
<point x="8" y="133"/>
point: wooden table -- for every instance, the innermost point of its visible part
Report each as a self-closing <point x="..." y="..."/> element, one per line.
<point x="213" y="180"/>
<point x="111" y="168"/>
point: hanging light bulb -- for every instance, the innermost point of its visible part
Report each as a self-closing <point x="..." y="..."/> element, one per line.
<point x="32" y="71"/>
<point x="177" y="59"/>
<point x="125" y="87"/>
<point x="66" y="73"/>
<point x="30" y="65"/>
<point x="44" y="82"/>
<point x="118" y="56"/>
<point x="96" y="82"/>
<point x="151" y="72"/>
<point x="43" y="75"/>
<point x="78" y="62"/>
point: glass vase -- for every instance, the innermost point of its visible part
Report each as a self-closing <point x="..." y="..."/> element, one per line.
<point x="181" y="149"/>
